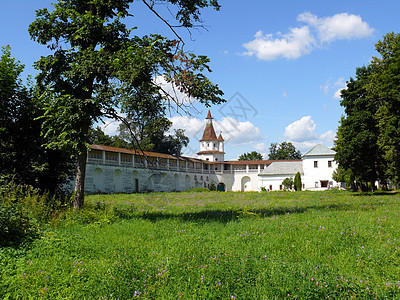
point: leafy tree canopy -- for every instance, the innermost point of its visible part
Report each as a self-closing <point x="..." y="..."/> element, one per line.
<point x="22" y="157"/>
<point x="254" y="155"/>
<point x="288" y="183"/>
<point x="368" y="137"/>
<point x="99" y="65"/>
<point x="283" y="151"/>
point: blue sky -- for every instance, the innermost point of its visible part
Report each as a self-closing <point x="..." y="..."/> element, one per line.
<point x="279" y="63"/>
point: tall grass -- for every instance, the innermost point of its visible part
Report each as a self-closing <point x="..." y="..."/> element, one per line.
<point x="214" y="246"/>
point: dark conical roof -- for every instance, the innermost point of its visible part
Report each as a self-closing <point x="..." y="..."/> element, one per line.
<point x="209" y="134"/>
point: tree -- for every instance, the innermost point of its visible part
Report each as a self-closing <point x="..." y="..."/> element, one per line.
<point x="297" y="182"/>
<point x="356" y="143"/>
<point x="383" y="90"/>
<point x="368" y="138"/>
<point x="97" y="136"/>
<point x="344" y="175"/>
<point x="283" y="151"/>
<point x="99" y="65"/>
<point x="254" y="155"/>
<point x="288" y="183"/>
<point x="150" y="135"/>
<point x="22" y="157"/>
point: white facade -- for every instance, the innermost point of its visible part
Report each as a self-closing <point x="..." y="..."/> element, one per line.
<point x="116" y="170"/>
<point x="318" y="165"/>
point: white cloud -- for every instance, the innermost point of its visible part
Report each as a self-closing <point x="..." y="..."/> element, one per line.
<point x="304" y="146"/>
<point x="342" y="85"/>
<point x="294" y="44"/>
<point x="192" y="126"/>
<point x="110" y="126"/>
<point x="260" y="147"/>
<point x="236" y="132"/>
<point x="302" y="40"/>
<point x="339" y="85"/>
<point x="337" y="94"/>
<point x="169" y="89"/>
<point x="233" y="131"/>
<point x="301" y="130"/>
<point x="302" y="134"/>
<point x="328" y="137"/>
<point x="338" y="27"/>
<point x="284" y="94"/>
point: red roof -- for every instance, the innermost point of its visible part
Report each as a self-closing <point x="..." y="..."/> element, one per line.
<point x="220" y="138"/>
<point x="209" y="134"/>
<point x="209" y="115"/>
<point x="145" y="153"/>
<point x="210" y="152"/>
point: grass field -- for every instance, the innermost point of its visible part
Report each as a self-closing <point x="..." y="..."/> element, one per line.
<point x="210" y="245"/>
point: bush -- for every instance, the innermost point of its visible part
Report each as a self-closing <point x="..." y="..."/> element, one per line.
<point x="297" y="182"/>
<point x="213" y="186"/>
<point x="23" y="210"/>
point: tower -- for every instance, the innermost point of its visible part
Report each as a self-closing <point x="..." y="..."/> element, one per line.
<point x="211" y="146"/>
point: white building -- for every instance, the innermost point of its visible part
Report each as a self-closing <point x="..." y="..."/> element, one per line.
<point x="116" y="170"/>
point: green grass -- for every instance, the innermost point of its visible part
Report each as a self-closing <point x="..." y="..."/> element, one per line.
<point x="305" y="245"/>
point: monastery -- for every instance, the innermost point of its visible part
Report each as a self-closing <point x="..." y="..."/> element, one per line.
<point x="117" y="170"/>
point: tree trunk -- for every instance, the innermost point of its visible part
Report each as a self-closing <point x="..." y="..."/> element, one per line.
<point x="80" y="173"/>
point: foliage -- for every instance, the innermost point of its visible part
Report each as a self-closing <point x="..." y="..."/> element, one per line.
<point x="356" y="144"/>
<point x="98" y="137"/>
<point x="297" y="182"/>
<point x="99" y="65"/>
<point x="254" y="155"/>
<point x="213" y="187"/>
<point x="344" y="175"/>
<point x="368" y="136"/>
<point x="288" y="183"/>
<point x="263" y="189"/>
<point x="22" y="157"/>
<point x="283" y="151"/>
<point x="24" y="211"/>
<point x="309" y="245"/>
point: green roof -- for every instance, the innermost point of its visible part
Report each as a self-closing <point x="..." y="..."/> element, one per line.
<point x="320" y="150"/>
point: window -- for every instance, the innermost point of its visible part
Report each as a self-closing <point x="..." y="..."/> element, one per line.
<point x="207" y="159"/>
<point x="316" y="184"/>
<point x="270" y="187"/>
<point x="324" y="183"/>
<point x="315" y="164"/>
<point x="329" y="164"/>
<point x="216" y="159"/>
<point x="280" y="187"/>
<point x="215" y="145"/>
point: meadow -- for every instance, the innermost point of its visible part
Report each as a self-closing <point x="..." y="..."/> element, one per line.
<point x="213" y="245"/>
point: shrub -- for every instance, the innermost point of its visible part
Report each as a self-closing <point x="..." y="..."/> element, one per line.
<point x="213" y="186"/>
<point x="23" y="209"/>
<point x="297" y="182"/>
<point x="287" y="183"/>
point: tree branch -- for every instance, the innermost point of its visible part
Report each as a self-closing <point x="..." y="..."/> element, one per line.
<point x="165" y="21"/>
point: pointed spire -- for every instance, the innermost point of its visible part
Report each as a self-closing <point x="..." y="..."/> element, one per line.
<point x="220" y="138"/>
<point x="209" y="132"/>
